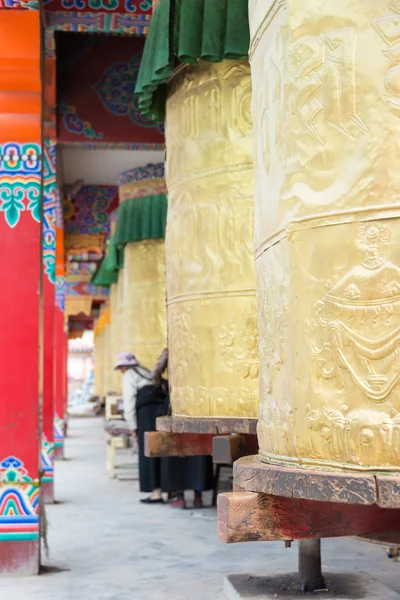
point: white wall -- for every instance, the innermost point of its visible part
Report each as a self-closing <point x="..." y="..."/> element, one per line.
<point x="102" y="167"/>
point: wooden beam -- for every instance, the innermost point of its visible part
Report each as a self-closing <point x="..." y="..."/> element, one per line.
<point x="253" y="475"/>
<point x="249" y="517"/>
<point x="388" y="488"/>
<point x="228" y="448"/>
<point x="208" y="425"/>
<point x="161" y="443"/>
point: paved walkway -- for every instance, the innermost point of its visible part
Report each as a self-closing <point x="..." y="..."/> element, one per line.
<point x="104" y="545"/>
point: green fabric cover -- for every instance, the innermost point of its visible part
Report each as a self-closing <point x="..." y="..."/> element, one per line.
<point x="141" y="219"/>
<point x="209" y="30"/>
<point x="105" y="274"/>
<point x="138" y="219"/>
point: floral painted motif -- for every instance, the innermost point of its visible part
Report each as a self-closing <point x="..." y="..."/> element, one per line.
<point x="89" y="211"/>
<point x="75" y="125"/>
<point x="116" y="89"/>
<point x="130" y="6"/>
<point x="20" y="172"/>
<point x="104" y="4"/>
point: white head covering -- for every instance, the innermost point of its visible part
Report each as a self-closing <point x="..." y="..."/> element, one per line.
<point x="126" y="359"/>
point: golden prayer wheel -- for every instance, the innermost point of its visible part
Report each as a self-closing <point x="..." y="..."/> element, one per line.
<point x="326" y="114"/>
<point x="212" y="313"/>
<point x="109" y="357"/>
<point x="99" y="364"/>
<point x="100" y="351"/>
<point x="144" y="313"/>
<point x="116" y="330"/>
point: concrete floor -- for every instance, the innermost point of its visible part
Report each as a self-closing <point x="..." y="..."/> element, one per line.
<point x="104" y="545"/>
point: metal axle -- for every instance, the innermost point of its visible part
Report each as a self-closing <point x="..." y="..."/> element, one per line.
<point x="310" y="573"/>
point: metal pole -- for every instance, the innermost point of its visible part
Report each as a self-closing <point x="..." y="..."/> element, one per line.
<point x="310" y="573"/>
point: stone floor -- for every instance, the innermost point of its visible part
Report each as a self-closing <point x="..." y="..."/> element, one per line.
<point x="104" y="545"/>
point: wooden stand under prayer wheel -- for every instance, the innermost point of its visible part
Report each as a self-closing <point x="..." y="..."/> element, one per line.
<point x="326" y="119"/>
<point x="211" y="304"/>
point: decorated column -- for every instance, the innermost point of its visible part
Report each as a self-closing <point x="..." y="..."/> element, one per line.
<point x="326" y="125"/>
<point x="20" y="211"/>
<point x="49" y="280"/>
<point x="212" y="315"/>
<point x="60" y="358"/>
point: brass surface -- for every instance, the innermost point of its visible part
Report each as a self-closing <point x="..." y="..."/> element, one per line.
<point x="326" y="108"/>
<point x="99" y="364"/>
<point x="212" y="315"/>
<point x="116" y="339"/>
<point x="144" y="314"/>
<point x="109" y="362"/>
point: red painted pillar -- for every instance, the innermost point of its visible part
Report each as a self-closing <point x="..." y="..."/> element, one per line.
<point x="66" y="382"/>
<point x="49" y="280"/>
<point x="59" y="342"/>
<point x="20" y="305"/>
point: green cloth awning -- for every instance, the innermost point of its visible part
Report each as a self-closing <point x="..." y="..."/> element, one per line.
<point x="141" y="219"/>
<point x="113" y="261"/>
<point x="209" y="30"/>
<point x="105" y="276"/>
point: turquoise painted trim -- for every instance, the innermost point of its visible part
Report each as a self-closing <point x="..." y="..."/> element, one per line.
<point x="47" y="479"/>
<point x="18" y="537"/>
<point x="59" y="444"/>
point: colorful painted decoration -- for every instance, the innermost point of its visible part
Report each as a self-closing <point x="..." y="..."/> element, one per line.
<point x="60" y="292"/>
<point x="29" y="4"/>
<point x="20" y="166"/>
<point x="97" y="81"/>
<point x="83" y="288"/>
<point x="89" y="211"/>
<point x="19" y="502"/>
<point x="49" y="209"/>
<point x="137" y="7"/>
<point x="116" y="89"/>
<point x="75" y="125"/>
<point x="88" y="22"/>
<point x="47" y="459"/>
<point x="58" y="430"/>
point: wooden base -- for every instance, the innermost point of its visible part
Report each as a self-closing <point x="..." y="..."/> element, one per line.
<point x="180" y="436"/>
<point x="250" y="517"/>
<point x="209" y="425"/>
<point x="59" y="452"/>
<point x="224" y="449"/>
<point x="286" y="503"/>
<point x="252" y="475"/>
<point x="161" y="443"/>
<point x="47" y="489"/>
<point x="19" y="558"/>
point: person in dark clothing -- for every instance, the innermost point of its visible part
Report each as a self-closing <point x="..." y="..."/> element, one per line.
<point x="142" y="403"/>
<point x="188" y="473"/>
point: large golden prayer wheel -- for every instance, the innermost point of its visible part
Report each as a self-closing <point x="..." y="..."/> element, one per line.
<point x="142" y="280"/>
<point x="212" y="315"/>
<point x="116" y="330"/>
<point x="326" y="108"/>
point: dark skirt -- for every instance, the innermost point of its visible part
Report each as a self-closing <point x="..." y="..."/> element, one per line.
<point x="170" y="474"/>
